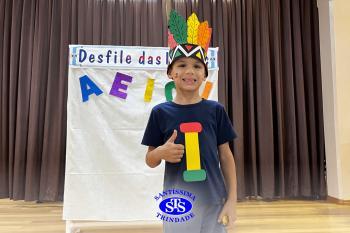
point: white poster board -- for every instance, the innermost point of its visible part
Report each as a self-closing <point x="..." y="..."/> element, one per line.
<point x="106" y="175"/>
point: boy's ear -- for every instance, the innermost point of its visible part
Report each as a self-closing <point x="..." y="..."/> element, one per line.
<point x="169" y="76"/>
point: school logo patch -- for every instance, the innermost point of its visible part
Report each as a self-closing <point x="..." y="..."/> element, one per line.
<point x="175" y="205"/>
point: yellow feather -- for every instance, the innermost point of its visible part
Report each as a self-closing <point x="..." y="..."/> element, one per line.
<point x="192" y="29"/>
<point x="204" y="35"/>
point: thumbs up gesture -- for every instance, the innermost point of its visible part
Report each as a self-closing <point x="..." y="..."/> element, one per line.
<point x="170" y="151"/>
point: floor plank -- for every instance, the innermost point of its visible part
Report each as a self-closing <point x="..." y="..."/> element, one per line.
<point x="253" y="217"/>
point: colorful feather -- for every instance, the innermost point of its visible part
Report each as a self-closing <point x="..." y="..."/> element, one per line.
<point x="204" y="35"/>
<point x="192" y="29"/>
<point x="208" y="40"/>
<point x="178" y="27"/>
<point x="171" y="41"/>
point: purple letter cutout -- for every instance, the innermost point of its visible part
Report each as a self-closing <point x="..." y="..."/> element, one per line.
<point x="117" y="85"/>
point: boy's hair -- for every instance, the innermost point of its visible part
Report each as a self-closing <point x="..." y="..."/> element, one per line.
<point x="188" y="40"/>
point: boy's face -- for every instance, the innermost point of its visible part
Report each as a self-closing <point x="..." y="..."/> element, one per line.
<point x="188" y="74"/>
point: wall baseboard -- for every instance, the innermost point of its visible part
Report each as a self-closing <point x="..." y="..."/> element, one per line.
<point x="337" y="201"/>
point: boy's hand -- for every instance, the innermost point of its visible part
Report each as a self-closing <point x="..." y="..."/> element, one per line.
<point x="172" y="152"/>
<point x="227" y="215"/>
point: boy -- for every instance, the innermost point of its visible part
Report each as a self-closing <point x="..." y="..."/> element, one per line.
<point x="215" y="205"/>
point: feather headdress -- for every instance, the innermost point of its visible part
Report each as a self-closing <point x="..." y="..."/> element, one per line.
<point x="188" y="39"/>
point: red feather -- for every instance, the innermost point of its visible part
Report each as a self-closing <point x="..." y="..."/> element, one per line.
<point x="171" y="41"/>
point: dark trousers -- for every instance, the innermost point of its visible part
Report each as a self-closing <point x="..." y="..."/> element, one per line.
<point x="204" y="221"/>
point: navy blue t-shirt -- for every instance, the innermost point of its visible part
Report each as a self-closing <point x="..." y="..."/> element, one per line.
<point x="216" y="130"/>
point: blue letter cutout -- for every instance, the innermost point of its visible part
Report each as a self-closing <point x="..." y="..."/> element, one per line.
<point x="88" y="87"/>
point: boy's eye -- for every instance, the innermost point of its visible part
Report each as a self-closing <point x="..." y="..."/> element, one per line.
<point x="197" y="66"/>
<point x="181" y="65"/>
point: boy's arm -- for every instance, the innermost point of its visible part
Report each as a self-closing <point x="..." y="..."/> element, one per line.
<point x="153" y="158"/>
<point x="228" y="168"/>
<point x="169" y="151"/>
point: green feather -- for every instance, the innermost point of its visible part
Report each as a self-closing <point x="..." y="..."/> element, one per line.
<point x="178" y="27"/>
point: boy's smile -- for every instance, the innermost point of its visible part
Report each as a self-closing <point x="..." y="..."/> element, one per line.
<point x="189" y="81"/>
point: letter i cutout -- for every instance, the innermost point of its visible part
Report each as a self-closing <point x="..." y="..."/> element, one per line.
<point x="193" y="159"/>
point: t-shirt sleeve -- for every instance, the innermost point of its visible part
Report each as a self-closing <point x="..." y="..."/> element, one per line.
<point x="225" y="131"/>
<point x="153" y="135"/>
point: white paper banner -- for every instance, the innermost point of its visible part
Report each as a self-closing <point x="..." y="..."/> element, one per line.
<point x="127" y="57"/>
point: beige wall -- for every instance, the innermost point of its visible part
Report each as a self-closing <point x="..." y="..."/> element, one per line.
<point x="335" y="64"/>
<point x="341" y="13"/>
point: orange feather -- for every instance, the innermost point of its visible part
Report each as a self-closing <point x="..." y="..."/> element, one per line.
<point x="208" y="40"/>
<point x="204" y="35"/>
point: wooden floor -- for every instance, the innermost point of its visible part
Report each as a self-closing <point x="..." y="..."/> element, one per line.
<point x="253" y="217"/>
